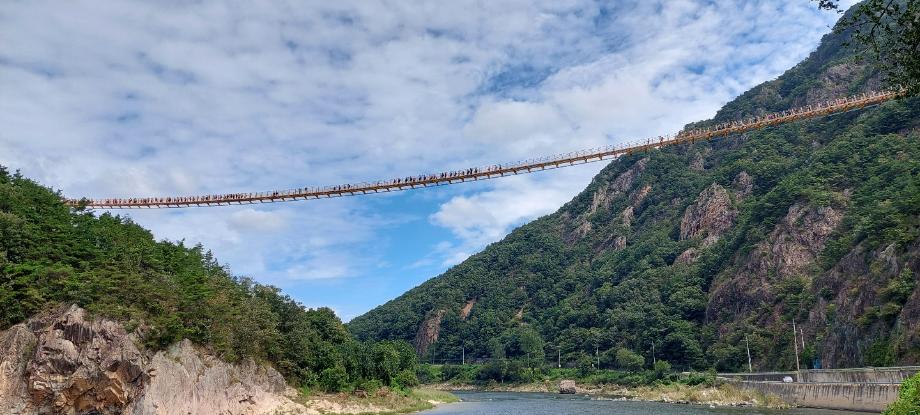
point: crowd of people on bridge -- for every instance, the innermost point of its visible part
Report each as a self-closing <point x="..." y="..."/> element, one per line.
<point x="757" y="121"/>
<point x="475" y="172"/>
<point x="304" y="192"/>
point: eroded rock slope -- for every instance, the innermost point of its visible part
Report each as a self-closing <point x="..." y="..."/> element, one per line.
<point x="65" y="362"/>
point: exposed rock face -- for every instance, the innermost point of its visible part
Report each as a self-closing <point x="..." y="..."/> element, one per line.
<point x="605" y="195"/>
<point x="687" y="257"/>
<point x="800" y="238"/>
<point x="467" y="309"/>
<point x="860" y="279"/>
<point x="627" y="216"/>
<point x="613" y="242"/>
<point x="743" y="185"/>
<point x="428" y="332"/>
<point x="792" y="247"/>
<point x="637" y="197"/>
<point x="77" y="365"/>
<point x="709" y="217"/>
<point x="834" y="81"/>
<point x="698" y="163"/>
<point x="186" y="382"/>
<point x="16" y="347"/>
<point x="620" y="185"/>
<point x="66" y="363"/>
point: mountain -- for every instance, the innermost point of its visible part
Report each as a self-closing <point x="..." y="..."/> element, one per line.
<point x="697" y="250"/>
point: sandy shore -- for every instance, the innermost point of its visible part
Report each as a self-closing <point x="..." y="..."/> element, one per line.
<point x="383" y="402"/>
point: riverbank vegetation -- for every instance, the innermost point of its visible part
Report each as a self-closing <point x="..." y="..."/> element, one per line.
<point x="166" y="291"/>
<point x="515" y="372"/>
<point x="660" y="385"/>
<point x="908" y="402"/>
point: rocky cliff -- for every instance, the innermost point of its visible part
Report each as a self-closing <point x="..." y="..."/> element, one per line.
<point x="65" y="362"/>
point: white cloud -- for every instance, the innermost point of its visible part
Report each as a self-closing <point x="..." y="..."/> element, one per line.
<point x="150" y="98"/>
<point x="485" y="217"/>
<point x="257" y="220"/>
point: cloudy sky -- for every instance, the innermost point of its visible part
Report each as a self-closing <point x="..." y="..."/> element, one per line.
<point x="126" y="98"/>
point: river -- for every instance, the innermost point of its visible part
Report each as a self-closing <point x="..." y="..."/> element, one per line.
<point x="517" y="403"/>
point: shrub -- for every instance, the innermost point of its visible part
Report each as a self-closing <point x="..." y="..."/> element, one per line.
<point x="406" y="379"/>
<point x="908" y="402"/>
<point x="333" y="379"/>
<point x="698" y="378"/>
<point x="662" y="369"/>
<point x="449" y="372"/>
<point x="370" y="386"/>
<point x="629" y="360"/>
<point x="585" y="365"/>
<point x="431" y="373"/>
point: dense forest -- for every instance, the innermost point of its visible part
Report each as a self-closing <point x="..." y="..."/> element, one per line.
<point x="692" y="253"/>
<point x="165" y="292"/>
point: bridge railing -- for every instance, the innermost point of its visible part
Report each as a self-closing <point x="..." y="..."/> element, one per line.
<point x="497" y="170"/>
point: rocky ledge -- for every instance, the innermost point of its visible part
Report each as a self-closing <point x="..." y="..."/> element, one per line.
<point x="63" y="362"/>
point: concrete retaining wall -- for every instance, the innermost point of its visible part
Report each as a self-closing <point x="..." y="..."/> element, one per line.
<point x="860" y="375"/>
<point x="866" y="375"/>
<point x="869" y="397"/>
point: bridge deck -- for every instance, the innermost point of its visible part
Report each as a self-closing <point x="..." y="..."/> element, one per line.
<point x="498" y="170"/>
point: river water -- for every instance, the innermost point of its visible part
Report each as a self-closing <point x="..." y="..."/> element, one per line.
<point x="515" y="403"/>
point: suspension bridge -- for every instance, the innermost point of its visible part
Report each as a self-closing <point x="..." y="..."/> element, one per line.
<point x="835" y="106"/>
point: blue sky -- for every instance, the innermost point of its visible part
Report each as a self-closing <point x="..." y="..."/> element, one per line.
<point x="174" y="98"/>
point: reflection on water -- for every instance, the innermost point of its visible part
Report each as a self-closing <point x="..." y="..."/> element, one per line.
<point x="505" y="403"/>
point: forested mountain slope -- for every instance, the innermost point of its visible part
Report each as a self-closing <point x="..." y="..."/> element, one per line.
<point x="164" y="292"/>
<point x="693" y="249"/>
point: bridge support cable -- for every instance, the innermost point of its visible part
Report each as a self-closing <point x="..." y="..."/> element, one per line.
<point x="836" y="106"/>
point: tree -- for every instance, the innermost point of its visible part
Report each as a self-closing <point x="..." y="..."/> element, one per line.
<point x="629" y="360"/>
<point x="532" y="345"/>
<point x="890" y="29"/>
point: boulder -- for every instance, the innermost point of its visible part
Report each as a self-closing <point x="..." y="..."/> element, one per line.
<point x="567" y="387"/>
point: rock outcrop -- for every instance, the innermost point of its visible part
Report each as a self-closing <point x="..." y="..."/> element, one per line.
<point x="790" y="250"/>
<point x="687" y="257"/>
<point x="618" y="186"/>
<point x="64" y="362"/>
<point x="467" y="309"/>
<point x="75" y="365"/>
<point x="16" y="348"/>
<point x="709" y="217"/>
<point x="428" y="332"/>
<point x="743" y="185"/>
<point x="185" y="381"/>
<point x="605" y="194"/>
<point x="698" y="163"/>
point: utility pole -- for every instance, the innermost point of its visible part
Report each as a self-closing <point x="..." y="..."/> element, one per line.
<point x="795" y="342"/>
<point x="597" y="355"/>
<point x="653" y="354"/>
<point x="802" y="335"/>
<point x="748" y="346"/>
<point x="559" y="357"/>
<point x="463" y="355"/>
